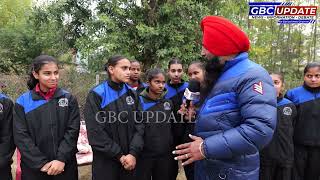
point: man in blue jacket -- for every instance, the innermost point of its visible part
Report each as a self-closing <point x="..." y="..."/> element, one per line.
<point x="238" y="113"/>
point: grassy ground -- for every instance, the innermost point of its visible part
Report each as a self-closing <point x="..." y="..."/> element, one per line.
<point x="85" y="171"/>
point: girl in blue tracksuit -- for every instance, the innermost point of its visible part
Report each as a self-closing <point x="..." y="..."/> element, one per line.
<point x="135" y="77"/>
<point x="155" y="159"/>
<point x="277" y="157"/>
<point x="46" y="124"/>
<point x="176" y="87"/>
<point x="115" y="131"/>
<point x="306" y="129"/>
<point x="6" y="137"/>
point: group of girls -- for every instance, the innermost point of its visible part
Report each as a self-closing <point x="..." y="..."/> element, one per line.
<point x="128" y="140"/>
<point x="294" y="151"/>
<point x="43" y="124"/>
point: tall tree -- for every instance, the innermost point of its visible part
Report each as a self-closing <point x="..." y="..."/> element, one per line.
<point x="152" y="33"/>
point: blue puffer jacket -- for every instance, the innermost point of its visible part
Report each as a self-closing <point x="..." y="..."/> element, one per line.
<point x="237" y="120"/>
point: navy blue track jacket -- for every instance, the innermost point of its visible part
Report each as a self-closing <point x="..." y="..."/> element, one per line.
<point x="46" y="130"/>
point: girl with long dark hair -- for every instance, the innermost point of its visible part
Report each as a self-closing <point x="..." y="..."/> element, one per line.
<point x="46" y="125"/>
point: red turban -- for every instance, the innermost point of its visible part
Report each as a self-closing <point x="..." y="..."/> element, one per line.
<point x="222" y="38"/>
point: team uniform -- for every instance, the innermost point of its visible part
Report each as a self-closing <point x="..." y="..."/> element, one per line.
<point x="113" y="120"/>
<point x="277" y="157"/>
<point x="306" y="132"/>
<point x="45" y="130"/>
<point x="175" y="94"/>
<point x="6" y="137"/>
<point x="156" y="158"/>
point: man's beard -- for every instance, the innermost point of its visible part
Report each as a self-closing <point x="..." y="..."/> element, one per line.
<point x="214" y="65"/>
<point x="213" y="69"/>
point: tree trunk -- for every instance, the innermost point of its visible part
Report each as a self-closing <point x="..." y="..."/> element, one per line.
<point x="288" y="52"/>
<point x="299" y="50"/>
<point x="270" y="60"/>
<point x="315" y="37"/>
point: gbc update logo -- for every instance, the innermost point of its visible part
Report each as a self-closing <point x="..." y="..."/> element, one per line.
<point x="286" y="12"/>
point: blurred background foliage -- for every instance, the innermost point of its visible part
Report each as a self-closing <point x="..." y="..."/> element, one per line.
<point x="87" y="32"/>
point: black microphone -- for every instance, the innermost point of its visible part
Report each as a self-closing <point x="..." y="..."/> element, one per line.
<point x="192" y="92"/>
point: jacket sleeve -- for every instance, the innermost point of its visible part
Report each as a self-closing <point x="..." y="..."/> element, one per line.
<point x="257" y="103"/>
<point x="28" y="149"/>
<point x="68" y="146"/>
<point x="136" y="144"/>
<point x="95" y="123"/>
<point x="6" y="136"/>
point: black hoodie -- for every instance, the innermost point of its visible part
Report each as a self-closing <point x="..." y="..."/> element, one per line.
<point x="175" y="94"/>
<point x="157" y="136"/>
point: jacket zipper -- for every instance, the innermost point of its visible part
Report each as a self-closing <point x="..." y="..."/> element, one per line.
<point x="52" y="133"/>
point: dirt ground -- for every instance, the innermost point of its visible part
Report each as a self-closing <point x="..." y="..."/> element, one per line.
<point x="85" y="171"/>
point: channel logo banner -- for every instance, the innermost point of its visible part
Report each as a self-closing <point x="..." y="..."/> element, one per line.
<point x="286" y="12"/>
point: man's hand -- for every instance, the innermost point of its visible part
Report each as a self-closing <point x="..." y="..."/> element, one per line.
<point x="56" y="168"/>
<point x="189" y="152"/>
